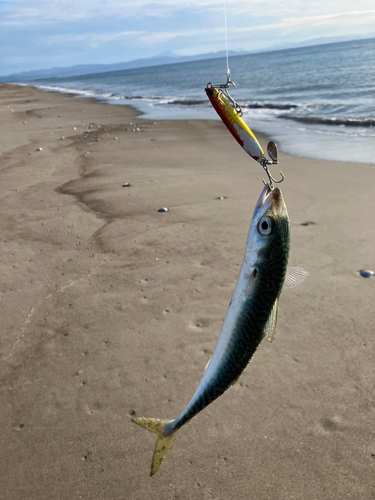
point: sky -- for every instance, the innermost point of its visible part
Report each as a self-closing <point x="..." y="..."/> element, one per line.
<point x="38" y="34"/>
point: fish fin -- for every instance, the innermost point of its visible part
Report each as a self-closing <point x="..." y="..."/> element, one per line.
<point x="164" y="441"/>
<point x="294" y="276"/>
<point x="269" y="329"/>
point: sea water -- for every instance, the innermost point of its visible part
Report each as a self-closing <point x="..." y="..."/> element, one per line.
<point x="316" y="102"/>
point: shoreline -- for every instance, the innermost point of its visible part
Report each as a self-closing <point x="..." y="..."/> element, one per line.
<point x="111" y="309"/>
<point x="320" y="142"/>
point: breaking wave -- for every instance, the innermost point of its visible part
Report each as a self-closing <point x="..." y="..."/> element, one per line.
<point x="347" y="122"/>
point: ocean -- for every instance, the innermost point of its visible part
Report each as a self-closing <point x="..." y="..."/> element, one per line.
<point x="315" y="102"/>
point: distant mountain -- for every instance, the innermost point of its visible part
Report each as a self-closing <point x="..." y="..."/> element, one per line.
<point x="319" y="41"/>
<point x="166" y="57"/>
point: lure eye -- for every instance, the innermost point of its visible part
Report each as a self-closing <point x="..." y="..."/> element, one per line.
<point x="210" y="92"/>
<point x="265" y="226"/>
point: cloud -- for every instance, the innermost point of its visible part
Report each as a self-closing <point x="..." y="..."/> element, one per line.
<point x="100" y="30"/>
<point x="355" y="18"/>
<point x="298" y="23"/>
<point x="145" y="37"/>
<point x="19" y="12"/>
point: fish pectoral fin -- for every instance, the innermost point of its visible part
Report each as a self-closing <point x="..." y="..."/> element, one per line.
<point x="164" y="441"/>
<point x="269" y="329"/>
<point x="294" y="276"/>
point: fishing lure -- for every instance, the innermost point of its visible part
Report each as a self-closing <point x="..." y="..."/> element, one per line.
<point x="230" y="113"/>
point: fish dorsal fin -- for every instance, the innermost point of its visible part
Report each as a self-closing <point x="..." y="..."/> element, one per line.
<point x="269" y="329"/>
<point x="294" y="276"/>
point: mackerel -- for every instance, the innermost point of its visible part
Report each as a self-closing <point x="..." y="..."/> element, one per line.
<point x="251" y="315"/>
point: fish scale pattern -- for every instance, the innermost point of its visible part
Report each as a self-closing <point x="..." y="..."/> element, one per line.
<point x="249" y="331"/>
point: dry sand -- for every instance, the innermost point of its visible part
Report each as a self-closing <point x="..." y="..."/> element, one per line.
<point x="110" y="309"/>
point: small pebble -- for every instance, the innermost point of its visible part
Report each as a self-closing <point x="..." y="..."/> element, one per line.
<point x="163" y="209"/>
<point x="39" y="149"/>
<point x="24" y="123"/>
<point x="74" y="128"/>
<point x="308" y="223"/>
<point x="221" y="198"/>
<point x="366" y="273"/>
<point x="62" y="137"/>
<point x="127" y="184"/>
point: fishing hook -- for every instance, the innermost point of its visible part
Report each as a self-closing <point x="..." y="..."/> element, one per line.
<point x="271" y="179"/>
<point x="272" y="153"/>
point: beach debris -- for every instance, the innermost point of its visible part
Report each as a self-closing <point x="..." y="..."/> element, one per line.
<point x="127" y="184"/>
<point x="39" y="149"/>
<point x="163" y="209"/>
<point x="251" y="315"/>
<point x="308" y="223"/>
<point x="366" y="273"/>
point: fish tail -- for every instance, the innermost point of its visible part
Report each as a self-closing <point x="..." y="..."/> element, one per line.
<point x="164" y="442"/>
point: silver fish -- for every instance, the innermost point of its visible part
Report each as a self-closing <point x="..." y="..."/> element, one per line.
<point x="251" y="315"/>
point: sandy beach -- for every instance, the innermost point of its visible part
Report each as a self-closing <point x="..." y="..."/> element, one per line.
<point x="110" y="309"/>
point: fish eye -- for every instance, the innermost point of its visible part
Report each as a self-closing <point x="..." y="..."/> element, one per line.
<point x="265" y="226"/>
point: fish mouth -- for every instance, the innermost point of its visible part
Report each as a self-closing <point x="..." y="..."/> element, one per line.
<point x="274" y="199"/>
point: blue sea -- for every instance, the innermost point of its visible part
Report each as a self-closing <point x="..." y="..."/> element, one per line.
<point x="315" y="102"/>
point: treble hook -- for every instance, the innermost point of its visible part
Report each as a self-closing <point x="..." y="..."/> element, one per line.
<point x="272" y="153"/>
<point x="271" y="179"/>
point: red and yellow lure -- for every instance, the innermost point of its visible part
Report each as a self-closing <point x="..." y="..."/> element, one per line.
<point x="230" y="113"/>
<point x="231" y="117"/>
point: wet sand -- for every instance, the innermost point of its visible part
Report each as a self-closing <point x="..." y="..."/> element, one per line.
<point x="111" y="309"/>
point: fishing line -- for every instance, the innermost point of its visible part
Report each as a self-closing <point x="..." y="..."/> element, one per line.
<point x="226" y="39"/>
<point x="230" y="112"/>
